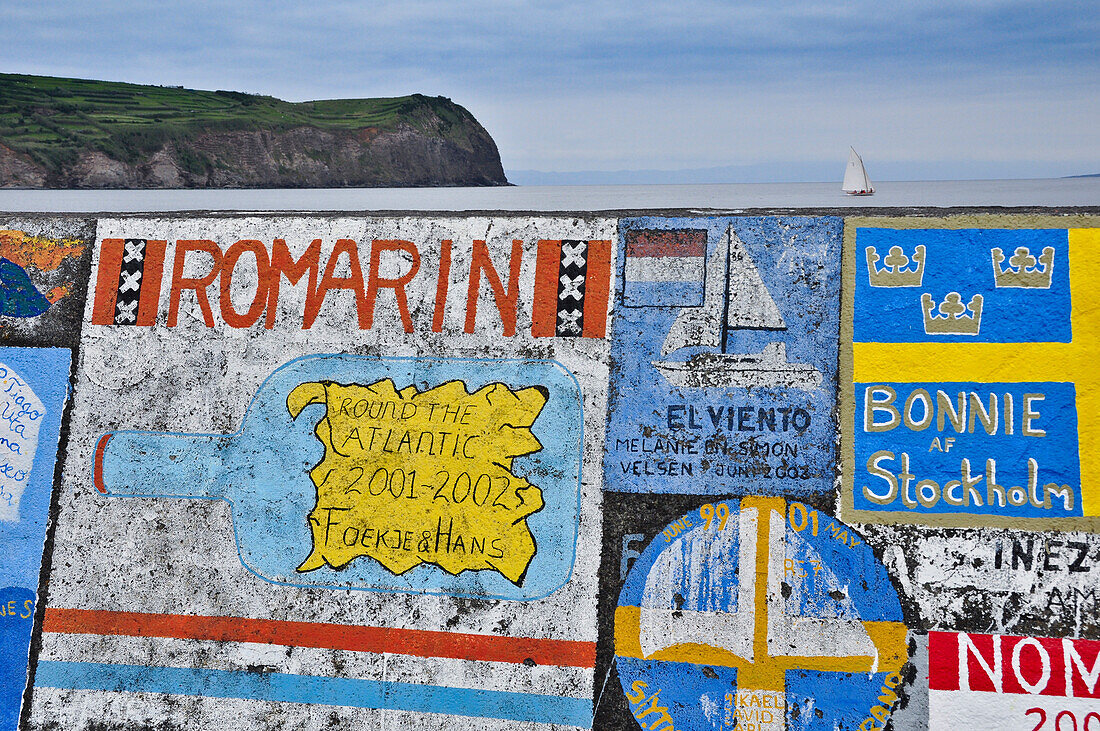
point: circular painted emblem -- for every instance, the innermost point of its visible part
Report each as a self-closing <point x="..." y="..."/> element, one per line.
<point x="761" y="613"/>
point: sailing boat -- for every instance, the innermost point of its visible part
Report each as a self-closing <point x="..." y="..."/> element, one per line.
<point x="856" y="181"/>
<point x="734" y="298"/>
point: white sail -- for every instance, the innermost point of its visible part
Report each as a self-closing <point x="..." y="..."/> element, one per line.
<point x="855" y="175"/>
<point x="750" y="304"/>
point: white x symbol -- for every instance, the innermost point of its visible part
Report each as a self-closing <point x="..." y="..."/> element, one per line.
<point x="130" y="281"/>
<point x="572" y="286"/>
<point x="126" y="312"/>
<point x="573" y="254"/>
<point x="135" y="250"/>
<point x="569" y="320"/>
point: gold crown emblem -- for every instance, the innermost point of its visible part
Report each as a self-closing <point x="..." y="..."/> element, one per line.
<point x="1024" y="270"/>
<point x="951" y="320"/>
<point x="894" y="273"/>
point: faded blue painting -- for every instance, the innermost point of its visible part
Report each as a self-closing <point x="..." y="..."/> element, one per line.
<point x="724" y="356"/>
<point x="698" y="645"/>
<point x="34" y="384"/>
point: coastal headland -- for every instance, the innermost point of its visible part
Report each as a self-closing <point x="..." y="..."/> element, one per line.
<point x="76" y="133"/>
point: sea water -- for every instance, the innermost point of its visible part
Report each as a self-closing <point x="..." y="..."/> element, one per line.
<point x="731" y="198"/>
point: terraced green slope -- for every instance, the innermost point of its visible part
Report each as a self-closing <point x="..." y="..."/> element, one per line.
<point x="56" y="122"/>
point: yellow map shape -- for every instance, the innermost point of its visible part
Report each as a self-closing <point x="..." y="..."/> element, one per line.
<point x="412" y="477"/>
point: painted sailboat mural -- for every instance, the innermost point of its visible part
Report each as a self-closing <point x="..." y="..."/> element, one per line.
<point x="735" y="298"/>
<point x="856" y="181"/>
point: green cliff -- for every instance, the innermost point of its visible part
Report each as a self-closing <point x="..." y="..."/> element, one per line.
<point x="74" y="133"/>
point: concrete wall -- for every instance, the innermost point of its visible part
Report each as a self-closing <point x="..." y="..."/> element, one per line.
<point x="661" y="472"/>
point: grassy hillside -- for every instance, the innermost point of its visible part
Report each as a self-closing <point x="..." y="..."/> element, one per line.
<point x="53" y="119"/>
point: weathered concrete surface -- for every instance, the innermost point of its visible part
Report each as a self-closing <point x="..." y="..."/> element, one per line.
<point x="636" y="500"/>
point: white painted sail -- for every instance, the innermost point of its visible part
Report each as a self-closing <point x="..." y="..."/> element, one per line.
<point x="702" y="574"/>
<point x="750" y="304"/>
<point x="855" y="175"/>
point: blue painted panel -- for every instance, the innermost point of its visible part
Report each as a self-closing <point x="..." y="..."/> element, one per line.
<point x="961" y="261"/>
<point x="688" y="427"/>
<point x="937" y="452"/>
<point x="28" y="376"/>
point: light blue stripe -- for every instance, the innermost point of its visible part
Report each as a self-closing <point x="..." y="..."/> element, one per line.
<point x="286" y="688"/>
<point x="663" y="294"/>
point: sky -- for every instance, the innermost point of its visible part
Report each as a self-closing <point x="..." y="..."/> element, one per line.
<point x="749" y="91"/>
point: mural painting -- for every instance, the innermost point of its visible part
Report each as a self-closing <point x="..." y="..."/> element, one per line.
<point x="564" y="471"/>
<point x="1011" y="682"/>
<point x="760" y="614"/>
<point x="43" y="280"/>
<point x="34" y="385"/>
<point x="383" y="443"/>
<point x="972" y="373"/>
<point x="407" y="475"/>
<point x="723" y="353"/>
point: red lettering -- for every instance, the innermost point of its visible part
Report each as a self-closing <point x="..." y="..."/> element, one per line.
<point x="284" y="265"/>
<point x="1010" y="664"/>
<point x="441" y="285"/>
<point x="1060" y="716"/>
<point x="375" y="282"/>
<point x="259" y="298"/>
<point x="329" y="280"/>
<point x="506" y="300"/>
<point x="180" y="282"/>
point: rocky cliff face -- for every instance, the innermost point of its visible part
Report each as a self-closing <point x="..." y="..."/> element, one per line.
<point x="429" y="153"/>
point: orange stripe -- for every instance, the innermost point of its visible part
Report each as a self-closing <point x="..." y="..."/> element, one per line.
<point x="419" y="643"/>
<point x="106" y="283"/>
<point x="597" y="289"/>
<point x="544" y="308"/>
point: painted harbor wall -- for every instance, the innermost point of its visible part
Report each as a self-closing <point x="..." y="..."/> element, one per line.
<point x="661" y="472"/>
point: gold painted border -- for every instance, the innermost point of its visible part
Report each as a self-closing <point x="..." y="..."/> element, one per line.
<point x="845" y="373"/>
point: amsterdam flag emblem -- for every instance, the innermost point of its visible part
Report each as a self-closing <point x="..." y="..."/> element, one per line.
<point x="129" y="281"/>
<point x="572" y="288"/>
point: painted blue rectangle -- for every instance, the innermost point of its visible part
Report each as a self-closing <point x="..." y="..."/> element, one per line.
<point x="678" y="421"/>
<point x="663" y="294"/>
<point x="38" y="376"/>
<point x="1035" y="432"/>
<point x="316" y="690"/>
<point x="961" y="261"/>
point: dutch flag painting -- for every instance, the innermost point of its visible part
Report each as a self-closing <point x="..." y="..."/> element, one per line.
<point x="664" y="268"/>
